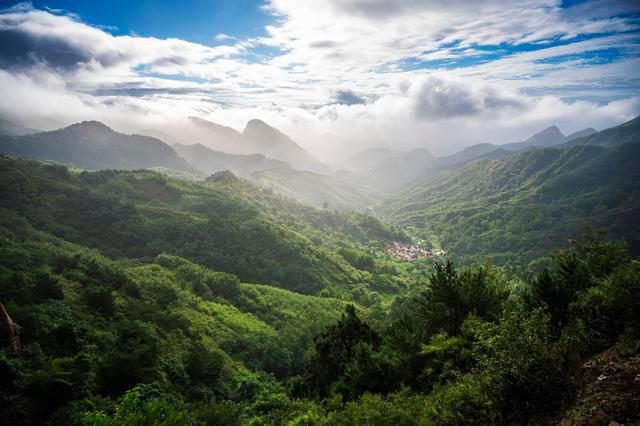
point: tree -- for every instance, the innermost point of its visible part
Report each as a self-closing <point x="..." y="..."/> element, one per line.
<point x="452" y="296"/>
<point x="204" y="366"/>
<point x="343" y="357"/>
<point x="133" y="359"/>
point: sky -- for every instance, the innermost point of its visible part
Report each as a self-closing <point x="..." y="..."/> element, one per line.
<point x="439" y="74"/>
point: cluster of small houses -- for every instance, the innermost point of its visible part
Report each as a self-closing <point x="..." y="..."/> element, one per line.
<point x="411" y="252"/>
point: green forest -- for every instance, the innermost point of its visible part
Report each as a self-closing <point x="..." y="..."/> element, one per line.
<point x="141" y="299"/>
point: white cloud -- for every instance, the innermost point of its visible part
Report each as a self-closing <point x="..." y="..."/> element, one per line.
<point x="436" y="97"/>
<point x="223" y="37"/>
<point x="342" y="69"/>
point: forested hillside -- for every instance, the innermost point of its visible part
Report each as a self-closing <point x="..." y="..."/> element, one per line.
<point x="118" y="278"/>
<point x="160" y="297"/>
<point x="516" y="209"/>
<point x="169" y="342"/>
<point x="224" y="223"/>
<point x="624" y="133"/>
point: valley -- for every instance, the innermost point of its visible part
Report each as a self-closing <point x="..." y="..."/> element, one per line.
<point x="221" y="287"/>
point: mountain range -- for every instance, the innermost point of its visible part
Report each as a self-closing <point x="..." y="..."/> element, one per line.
<point x="531" y="201"/>
<point x="624" y="133"/>
<point x="370" y="176"/>
<point x="127" y="282"/>
<point x="393" y="170"/>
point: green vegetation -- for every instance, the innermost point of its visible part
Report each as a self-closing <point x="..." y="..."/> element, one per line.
<point x="517" y="209"/>
<point x="225" y="224"/>
<point x="93" y="328"/>
<point x="143" y="299"/>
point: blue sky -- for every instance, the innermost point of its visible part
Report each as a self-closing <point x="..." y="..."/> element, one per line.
<point x="196" y="20"/>
<point x="436" y="70"/>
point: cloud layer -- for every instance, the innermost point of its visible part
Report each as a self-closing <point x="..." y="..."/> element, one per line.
<point x="396" y="72"/>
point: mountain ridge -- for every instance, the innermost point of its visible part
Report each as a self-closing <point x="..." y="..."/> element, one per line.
<point x="94" y="145"/>
<point x="209" y="161"/>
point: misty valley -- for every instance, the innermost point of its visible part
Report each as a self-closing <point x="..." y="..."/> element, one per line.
<point x="275" y="212"/>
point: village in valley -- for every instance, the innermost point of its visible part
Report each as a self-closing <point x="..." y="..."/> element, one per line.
<point x="411" y="252"/>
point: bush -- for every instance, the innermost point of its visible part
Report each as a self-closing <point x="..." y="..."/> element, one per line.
<point x="134" y="409"/>
<point x="526" y="368"/>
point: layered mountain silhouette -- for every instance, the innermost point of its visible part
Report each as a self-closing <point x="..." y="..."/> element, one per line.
<point x="551" y="136"/>
<point x="163" y="136"/>
<point x="628" y="132"/>
<point x="93" y="145"/>
<point x="215" y="136"/>
<point x="364" y="161"/>
<point x="580" y="134"/>
<point x="259" y="137"/>
<point x="396" y="171"/>
<point x="209" y="161"/>
<point x="256" y="138"/>
<point x="264" y="154"/>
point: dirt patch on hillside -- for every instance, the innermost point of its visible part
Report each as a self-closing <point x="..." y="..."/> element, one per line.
<point x="610" y="392"/>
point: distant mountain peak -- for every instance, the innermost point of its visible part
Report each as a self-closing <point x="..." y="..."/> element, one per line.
<point x="256" y="126"/>
<point x="258" y="131"/>
<point x="581" y="134"/>
<point x="550" y="135"/>
<point x="421" y="152"/>
<point x="94" y="145"/>
<point x="210" y="124"/>
<point x="257" y="122"/>
<point x="90" y="125"/>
